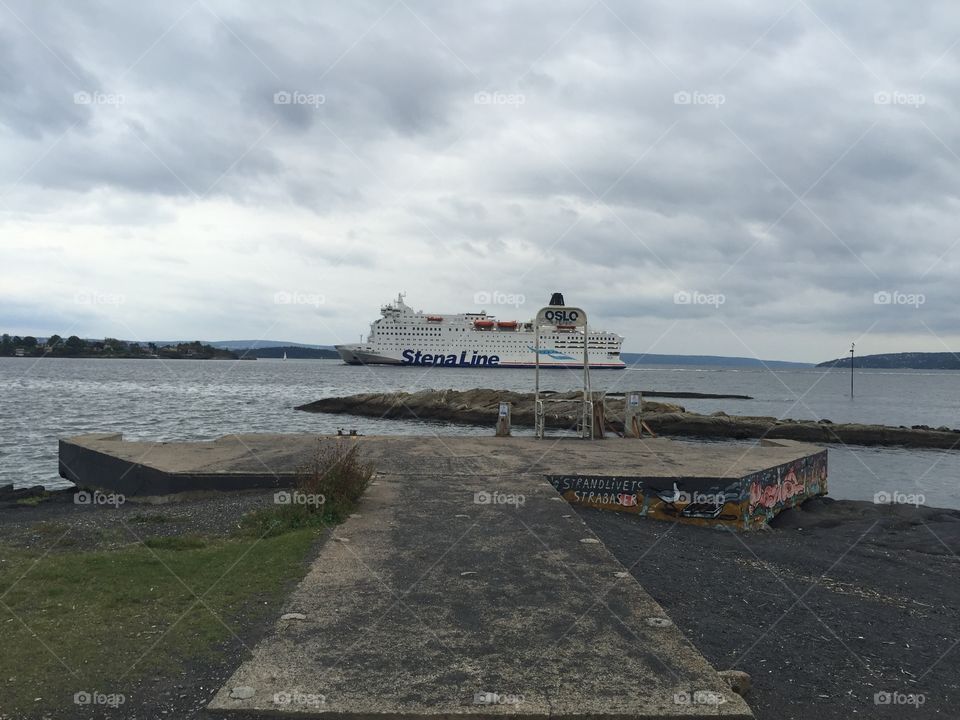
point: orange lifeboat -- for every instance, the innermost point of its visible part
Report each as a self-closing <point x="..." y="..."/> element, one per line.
<point x="434" y="318"/>
<point x="483" y="324"/>
<point x="507" y="324"/>
<point x="566" y="328"/>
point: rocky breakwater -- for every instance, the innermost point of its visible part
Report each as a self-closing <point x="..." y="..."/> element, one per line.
<point x="479" y="407"/>
<point x="473" y="407"/>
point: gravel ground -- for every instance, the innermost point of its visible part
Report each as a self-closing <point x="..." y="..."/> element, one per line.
<point x="841" y="601"/>
<point x="60" y="524"/>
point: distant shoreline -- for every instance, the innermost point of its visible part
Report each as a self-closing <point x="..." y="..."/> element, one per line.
<point x="898" y="361"/>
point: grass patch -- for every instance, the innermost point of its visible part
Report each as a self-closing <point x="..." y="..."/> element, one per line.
<point x="104" y="620"/>
<point x="32" y="501"/>
<point x="50" y="529"/>
<point x="148" y="518"/>
<point x="327" y="489"/>
<point x="176" y="542"/>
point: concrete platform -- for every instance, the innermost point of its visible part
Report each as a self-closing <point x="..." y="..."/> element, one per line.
<point x="456" y="593"/>
<point x="707" y="484"/>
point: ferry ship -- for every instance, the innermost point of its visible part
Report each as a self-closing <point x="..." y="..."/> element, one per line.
<point x="402" y="336"/>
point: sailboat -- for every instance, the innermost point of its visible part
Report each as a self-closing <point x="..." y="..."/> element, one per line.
<point x="284" y="354"/>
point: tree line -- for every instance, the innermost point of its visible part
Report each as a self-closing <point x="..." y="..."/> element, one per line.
<point x="73" y="346"/>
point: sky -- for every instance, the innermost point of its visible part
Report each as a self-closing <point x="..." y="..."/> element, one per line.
<point x="767" y="178"/>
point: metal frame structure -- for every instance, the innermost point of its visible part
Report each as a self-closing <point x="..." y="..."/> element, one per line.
<point x="554" y="316"/>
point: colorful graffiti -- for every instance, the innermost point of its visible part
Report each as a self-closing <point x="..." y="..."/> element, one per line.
<point x="744" y="502"/>
<point x="785" y="486"/>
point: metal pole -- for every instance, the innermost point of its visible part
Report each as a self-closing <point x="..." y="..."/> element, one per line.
<point x="852" y="345"/>
<point x="586" y="365"/>
<point x="587" y="422"/>
<point x="536" y="380"/>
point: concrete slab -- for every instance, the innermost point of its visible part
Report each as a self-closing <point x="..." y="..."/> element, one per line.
<point x="460" y="594"/>
<point x="697" y="483"/>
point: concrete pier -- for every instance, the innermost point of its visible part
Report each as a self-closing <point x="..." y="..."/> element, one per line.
<point x="710" y="484"/>
<point x="454" y="593"/>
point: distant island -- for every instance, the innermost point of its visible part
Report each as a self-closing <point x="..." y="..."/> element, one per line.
<point x="900" y="361"/>
<point x="76" y="347"/>
<point x="708" y="360"/>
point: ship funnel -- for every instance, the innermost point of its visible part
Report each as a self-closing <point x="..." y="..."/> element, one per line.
<point x="557" y="299"/>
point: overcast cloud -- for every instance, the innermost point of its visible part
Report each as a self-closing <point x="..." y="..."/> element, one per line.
<point x="747" y="177"/>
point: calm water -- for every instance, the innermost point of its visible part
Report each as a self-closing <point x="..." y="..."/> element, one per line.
<point x="200" y="400"/>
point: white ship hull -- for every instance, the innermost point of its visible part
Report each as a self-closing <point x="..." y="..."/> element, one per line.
<point x="475" y="340"/>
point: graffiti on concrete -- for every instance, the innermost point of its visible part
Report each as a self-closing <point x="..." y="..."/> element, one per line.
<point x="741" y="502"/>
<point x="784" y="486"/>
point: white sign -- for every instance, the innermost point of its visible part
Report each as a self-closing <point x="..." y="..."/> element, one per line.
<point x="561" y="315"/>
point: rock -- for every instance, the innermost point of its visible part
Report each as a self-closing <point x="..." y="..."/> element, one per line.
<point x="738" y="680"/>
<point x="293" y="616"/>
<point x="242" y="692"/>
<point x="659" y="622"/>
<point x="10" y="494"/>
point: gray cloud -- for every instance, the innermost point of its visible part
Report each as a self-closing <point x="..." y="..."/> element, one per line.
<point x="796" y="159"/>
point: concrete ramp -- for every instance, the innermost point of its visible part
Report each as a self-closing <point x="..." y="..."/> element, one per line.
<point x="460" y="595"/>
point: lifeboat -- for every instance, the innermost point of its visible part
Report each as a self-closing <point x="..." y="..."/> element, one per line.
<point x="434" y="318"/>
<point x="566" y="328"/>
<point x="507" y="324"/>
<point x="483" y="324"/>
